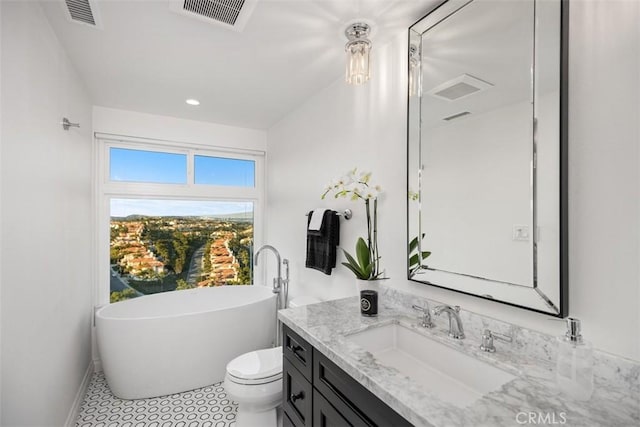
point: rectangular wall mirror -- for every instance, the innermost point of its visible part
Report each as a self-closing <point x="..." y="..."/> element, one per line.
<point x="487" y="151"/>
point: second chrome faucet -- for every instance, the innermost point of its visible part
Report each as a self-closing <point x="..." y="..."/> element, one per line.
<point x="456" y="330"/>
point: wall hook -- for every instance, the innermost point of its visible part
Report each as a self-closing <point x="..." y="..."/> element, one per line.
<point x="66" y="124"/>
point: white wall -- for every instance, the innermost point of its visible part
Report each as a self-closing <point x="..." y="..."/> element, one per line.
<point x="342" y="127"/>
<point x="338" y="129"/>
<point x="151" y="126"/>
<point x="46" y="212"/>
<point x="604" y="184"/>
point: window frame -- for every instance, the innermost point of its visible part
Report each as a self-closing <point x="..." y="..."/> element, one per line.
<point x="106" y="190"/>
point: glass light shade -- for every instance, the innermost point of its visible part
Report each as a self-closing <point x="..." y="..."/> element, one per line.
<point x="358" y="52"/>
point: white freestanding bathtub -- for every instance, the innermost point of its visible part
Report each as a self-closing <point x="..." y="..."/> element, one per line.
<point x="177" y="341"/>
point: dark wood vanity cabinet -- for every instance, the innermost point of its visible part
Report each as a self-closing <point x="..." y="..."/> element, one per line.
<point x="297" y="351"/>
<point x="325" y="415"/>
<point x="318" y="393"/>
<point x="298" y="395"/>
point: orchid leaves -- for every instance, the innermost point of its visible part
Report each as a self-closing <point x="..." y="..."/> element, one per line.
<point x="362" y="265"/>
<point x="414" y="259"/>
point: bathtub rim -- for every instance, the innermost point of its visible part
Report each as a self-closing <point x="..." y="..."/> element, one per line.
<point x="99" y="314"/>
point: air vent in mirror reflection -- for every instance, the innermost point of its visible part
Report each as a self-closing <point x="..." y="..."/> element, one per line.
<point x="456" y="116"/>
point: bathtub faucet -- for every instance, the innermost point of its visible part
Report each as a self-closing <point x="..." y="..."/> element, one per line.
<point x="280" y="285"/>
<point x="277" y="282"/>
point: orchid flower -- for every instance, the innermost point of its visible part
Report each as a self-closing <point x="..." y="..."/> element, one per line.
<point x="356" y="186"/>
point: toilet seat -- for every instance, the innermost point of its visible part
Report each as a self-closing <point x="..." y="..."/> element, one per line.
<point x="256" y="367"/>
<point x="257" y="381"/>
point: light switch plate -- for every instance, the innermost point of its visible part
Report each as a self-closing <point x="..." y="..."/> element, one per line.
<point x="521" y="233"/>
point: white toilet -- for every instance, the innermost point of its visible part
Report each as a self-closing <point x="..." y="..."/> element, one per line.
<point x="254" y="380"/>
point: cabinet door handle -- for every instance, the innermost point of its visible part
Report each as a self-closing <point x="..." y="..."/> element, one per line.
<point x="295" y="349"/>
<point x="294" y="397"/>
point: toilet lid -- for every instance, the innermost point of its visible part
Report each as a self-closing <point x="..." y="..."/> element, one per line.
<point x="264" y="365"/>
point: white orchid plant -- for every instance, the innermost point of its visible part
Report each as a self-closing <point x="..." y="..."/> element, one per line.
<point x="358" y="186"/>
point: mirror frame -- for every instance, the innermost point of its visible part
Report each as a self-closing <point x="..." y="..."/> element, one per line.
<point x="562" y="306"/>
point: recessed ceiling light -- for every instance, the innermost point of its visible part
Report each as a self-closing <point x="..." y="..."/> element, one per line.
<point x="192" y="102"/>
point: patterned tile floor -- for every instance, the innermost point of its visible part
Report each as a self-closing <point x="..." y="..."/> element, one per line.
<point x="204" y="407"/>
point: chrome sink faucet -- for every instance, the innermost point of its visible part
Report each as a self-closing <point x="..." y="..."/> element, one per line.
<point x="455" y="324"/>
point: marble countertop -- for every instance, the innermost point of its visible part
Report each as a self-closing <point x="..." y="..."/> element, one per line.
<point x="533" y="393"/>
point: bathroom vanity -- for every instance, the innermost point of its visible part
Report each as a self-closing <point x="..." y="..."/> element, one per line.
<point x="340" y="368"/>
<point x="317" y="392"/>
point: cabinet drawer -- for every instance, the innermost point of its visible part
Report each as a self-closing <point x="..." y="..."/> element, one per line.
<point x="298" y="351"/>
<point x="325" y="415"/>
<point x="297" y="395"/>
<point x="347" y="395"/>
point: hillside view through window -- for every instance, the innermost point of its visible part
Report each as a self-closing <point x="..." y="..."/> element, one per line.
<point x="165" y="245"/>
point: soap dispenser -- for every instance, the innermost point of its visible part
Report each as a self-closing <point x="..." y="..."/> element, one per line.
<point x="574" y="370"/>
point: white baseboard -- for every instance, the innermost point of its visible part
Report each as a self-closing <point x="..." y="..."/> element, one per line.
<point x="82" y="391"/>
<point x="97" y="365"/>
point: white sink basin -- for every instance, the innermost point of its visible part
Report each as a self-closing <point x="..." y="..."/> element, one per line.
<point x="453" y="376"/>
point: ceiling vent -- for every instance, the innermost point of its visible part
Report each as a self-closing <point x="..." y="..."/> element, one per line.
<point x="459" y="87"/>
<point x="83" y="12"/>
<point x="231" y="14"/>
<point x="457" y="116"/>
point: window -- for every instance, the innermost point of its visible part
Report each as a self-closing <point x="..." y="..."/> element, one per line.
<point x="177" y="216"/>
<point x="222" y="171"/>
<point x="147" y="166"/>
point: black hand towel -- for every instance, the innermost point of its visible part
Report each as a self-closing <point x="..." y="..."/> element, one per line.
<point x="322" y="245"/>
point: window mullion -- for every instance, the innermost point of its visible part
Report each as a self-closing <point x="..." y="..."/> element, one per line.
<point x="191" y="168"/>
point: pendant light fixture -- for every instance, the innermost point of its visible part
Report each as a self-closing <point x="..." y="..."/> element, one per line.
<point x="358" y="51"/>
